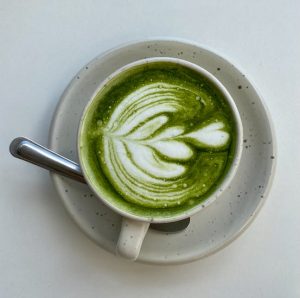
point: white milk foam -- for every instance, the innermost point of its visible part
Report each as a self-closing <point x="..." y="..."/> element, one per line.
<point x="143" y="154"/>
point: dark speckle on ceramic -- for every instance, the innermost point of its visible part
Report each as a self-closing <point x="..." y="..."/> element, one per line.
<point x="240" y="86"/>
<point x="218" y="68"/>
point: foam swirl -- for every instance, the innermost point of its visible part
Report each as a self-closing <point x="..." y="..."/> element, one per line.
<point x="155" y="151"/>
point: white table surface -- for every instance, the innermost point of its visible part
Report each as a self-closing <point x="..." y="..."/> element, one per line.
<point x="42" y="45"/>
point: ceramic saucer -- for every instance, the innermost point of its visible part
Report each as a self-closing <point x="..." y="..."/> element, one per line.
<point x="215" y="226"/>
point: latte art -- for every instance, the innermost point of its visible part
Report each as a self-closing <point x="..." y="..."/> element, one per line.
<point x="158" y="139"/>
<point x="145" y="155"/>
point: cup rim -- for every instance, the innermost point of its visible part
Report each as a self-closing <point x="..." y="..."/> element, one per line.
<point x="235" y="162"/>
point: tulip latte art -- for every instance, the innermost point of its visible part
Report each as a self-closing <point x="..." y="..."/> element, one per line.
<point x="158" y="139"/>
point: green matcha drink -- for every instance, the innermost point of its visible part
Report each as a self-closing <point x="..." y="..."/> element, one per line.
<point x="157" y="140"/>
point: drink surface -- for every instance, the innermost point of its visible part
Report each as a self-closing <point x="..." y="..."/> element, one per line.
<point x="158" y="139"/>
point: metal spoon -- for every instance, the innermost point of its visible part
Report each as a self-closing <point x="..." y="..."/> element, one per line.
<point x="32" y="152"/>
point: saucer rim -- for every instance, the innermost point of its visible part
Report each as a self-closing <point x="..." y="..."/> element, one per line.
<point x="270" y="178"/>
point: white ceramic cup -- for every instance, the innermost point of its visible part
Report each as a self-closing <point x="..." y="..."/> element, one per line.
<point x="134" y="228"/>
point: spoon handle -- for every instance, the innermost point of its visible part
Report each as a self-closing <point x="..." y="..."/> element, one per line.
<point x="32" y="152"/>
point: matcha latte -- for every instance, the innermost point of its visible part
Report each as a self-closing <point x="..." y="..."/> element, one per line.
<point x="157" y="139"/>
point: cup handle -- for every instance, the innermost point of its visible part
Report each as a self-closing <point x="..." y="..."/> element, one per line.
<point x="131" y="238"/>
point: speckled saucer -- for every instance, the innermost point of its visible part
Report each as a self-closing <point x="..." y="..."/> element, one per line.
<point x="215" y="226"/>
